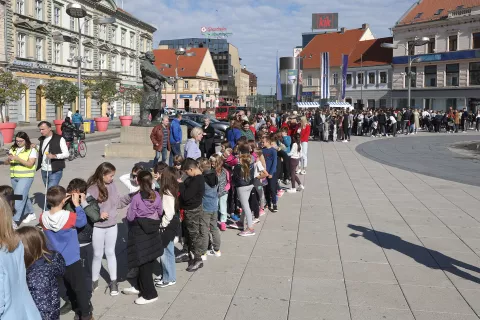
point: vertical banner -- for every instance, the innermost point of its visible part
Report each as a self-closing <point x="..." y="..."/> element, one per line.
<point x="279" y="83"/>
<point x="299" y="80"/>
<point x="344" y="74"/>
<point x="325" y="79"/>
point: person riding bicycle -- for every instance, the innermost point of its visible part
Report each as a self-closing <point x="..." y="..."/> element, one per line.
<point x="69" y="131"/>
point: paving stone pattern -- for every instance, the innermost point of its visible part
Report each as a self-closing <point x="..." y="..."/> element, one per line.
<point x="364" y="241"/>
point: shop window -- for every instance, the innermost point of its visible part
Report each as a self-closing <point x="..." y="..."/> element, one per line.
<point x="474" y="73"/>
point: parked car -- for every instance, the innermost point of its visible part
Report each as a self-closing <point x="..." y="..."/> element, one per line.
<point x="199" y="118"/>
<point x="219" y="135"/>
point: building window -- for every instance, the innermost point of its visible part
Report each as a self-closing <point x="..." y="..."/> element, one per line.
<point x="185" y="84"/>
<point x="86" y="27"/>
<point x="39" y="9"/>
<point x="39" y="49"/>
<point x="349" y="79"/>
<point x="335" y="79"/>
<point x="124" y="37"/>
<point x="383" y="77"/>
<point x="411" y="48"/>
<point x="309" y="81"/>
<point x="21" y="45"/>
<point x="371" y="78"/>
<point x="413" y="79"/>
<point x="87" y="55"/>
<point x="56" y="15"/>
<point x="103" y="61"/>
<point x="431" y="45"/>
<point x="71" y="55"/>
<point x="113" y="63"/>
<point x="56" y="52"/>
<point x="103" y="32"/>
<point x="360" y="78"/>
<point x="452" y="103"/>
<point x="72" y="23"/>
<point x="452" y="43"/>
<point x="474" y="73"/>
<point x="123" y="65"/>
<point x="371" y="103"/>
<point x="21" y="6"/>
<point x="476" y="40"/>
<point x="430" y="76"/>
<point x="114" y="35"/>
<point x="383" y="103"/>
<point x="132" y="40"/>
<point x="131" y="65"/>
<point x="452" y="74"/>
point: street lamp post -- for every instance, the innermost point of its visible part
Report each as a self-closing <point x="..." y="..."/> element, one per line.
<point x="78" y="11"/>
<point x="417" y="42"/>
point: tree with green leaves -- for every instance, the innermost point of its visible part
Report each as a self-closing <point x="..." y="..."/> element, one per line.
<point x="11" y="90"/>
<point x="129" y="95"/>
<point x="60" y="92"/>
<point x="103" y="89"/>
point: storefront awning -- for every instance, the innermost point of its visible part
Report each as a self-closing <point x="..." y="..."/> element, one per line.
<point x="308" y="104"/>
<point x="344" y="105"/>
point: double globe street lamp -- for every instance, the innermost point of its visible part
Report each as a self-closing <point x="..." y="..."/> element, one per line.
<point x="416" y="43"/>
<point x="78" y="11"/>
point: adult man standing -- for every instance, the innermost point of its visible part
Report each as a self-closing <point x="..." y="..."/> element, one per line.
<point x="175" y="138"/>
<point x="77" y="120"/>
<point x="52" y="154"/>
<point x="160" y="138"/>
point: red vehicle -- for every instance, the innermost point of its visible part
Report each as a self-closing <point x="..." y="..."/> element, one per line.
<point x="224" y="112"/>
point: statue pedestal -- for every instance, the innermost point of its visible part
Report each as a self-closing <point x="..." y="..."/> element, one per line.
<point x="135" y="143"/>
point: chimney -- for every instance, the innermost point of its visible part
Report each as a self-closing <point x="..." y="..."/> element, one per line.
<point x="342" y="30"/>
<point x="365" y="26"/>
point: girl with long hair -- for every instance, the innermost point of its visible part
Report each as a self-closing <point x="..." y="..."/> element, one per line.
<point x="144" y="241"/>
<point x="43" y="269"/>
<point x="15" y="299"/>
<point x="22" y="158"/>
<point x="104" y="239"/>
<point x="224" y="185"/>
<point x="295" y="154"/>
<point x="304" y="135"/>
<point x="243" y="182"/>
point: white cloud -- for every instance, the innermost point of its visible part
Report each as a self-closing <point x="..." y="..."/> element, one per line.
<point x="261" y="27"/>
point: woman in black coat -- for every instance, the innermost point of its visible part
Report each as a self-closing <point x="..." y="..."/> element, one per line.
<point x="207" y="145"/>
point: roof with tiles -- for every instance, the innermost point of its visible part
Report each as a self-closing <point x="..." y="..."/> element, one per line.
<point x="431" y="10"/>
<point x="369" y="53"/>
<point x="187" y="66"/>
<point x="336" y="43"/>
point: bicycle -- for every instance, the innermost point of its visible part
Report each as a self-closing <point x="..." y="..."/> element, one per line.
<point x="78" y="147"/>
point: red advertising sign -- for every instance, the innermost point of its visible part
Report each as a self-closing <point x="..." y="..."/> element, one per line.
<point x="324" y="21"/>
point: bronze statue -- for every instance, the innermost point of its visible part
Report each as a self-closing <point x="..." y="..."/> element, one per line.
<point x="152" y="90"/>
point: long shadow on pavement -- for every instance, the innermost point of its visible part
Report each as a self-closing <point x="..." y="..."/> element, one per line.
<point x="429" y="258"/>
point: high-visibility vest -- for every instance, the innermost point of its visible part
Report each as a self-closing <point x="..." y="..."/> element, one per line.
<point x="18" y="170"/>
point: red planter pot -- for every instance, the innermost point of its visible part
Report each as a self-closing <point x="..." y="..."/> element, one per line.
<point x="8" y="129"/>
<point x="101" y="124"/>
<point x="126" y="121"/>
<point x="58" y="126"/>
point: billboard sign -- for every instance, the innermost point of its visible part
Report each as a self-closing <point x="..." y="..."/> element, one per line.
<point x="296" y="52"/>
<point x="215" y="32"/>
<point x="324" y="21"/>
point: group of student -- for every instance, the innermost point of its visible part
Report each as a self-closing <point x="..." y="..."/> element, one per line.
<point x="190" y="201"/>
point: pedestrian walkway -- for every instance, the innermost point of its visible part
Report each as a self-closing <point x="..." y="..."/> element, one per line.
<point x="364" y="241"/>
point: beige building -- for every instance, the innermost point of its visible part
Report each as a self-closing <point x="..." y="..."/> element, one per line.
<point x="197" y="88"/>
<point x="244" y="88"/>
<point x="35" y="57"/>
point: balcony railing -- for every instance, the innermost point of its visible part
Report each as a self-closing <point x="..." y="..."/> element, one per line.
<point x="459" y="13"/>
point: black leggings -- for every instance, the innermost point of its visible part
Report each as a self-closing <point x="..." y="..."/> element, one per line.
<point x="285" y="165"/>
<point x="76" y="290"/>
<point x="271" y="190"/>
<point x="293" y="174"/>
<point x="145" y="281"/>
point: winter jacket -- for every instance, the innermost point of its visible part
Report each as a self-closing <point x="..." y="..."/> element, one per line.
<point x="175" y="131"/>
<point x="144" y="241"/>
<point x="233" y="135"/>
<point x="210" y="197"/>
<point x="92" y="210"/>
<point x="191" y="192"/>
<point x="43" y="285"/>
<point x="157" y="137"/>
<point x="77" y="118"/>
<point x="60" y="230"/>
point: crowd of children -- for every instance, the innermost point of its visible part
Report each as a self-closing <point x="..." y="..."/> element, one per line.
<point x="193" y="201"/>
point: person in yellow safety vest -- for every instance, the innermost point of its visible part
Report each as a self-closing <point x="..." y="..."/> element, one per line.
<point x="22" y="158"/>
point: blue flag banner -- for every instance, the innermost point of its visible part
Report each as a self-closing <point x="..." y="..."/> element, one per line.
<point x="344" y="74"/>
<point x="325" y="79"/>
<point x="279" y="83"/>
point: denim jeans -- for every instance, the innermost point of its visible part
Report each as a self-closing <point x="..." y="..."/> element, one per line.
<point x="168" y="263"/>
<point x="22" y="207"/>
<point x="53" y="178"/>
<point x="222" y="205"/>
<point x="174" y="151"/>
<point x="162" y="153"/>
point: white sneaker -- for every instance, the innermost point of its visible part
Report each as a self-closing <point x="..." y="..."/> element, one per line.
<point x="298" y="171"/>
<point x="301" y="187"/>
<point x="292" y="190"/>
<point x="130" y="291"/>
<point x="214" y="253"/>
<point x="142" y="300"/>
<point x="31" y="217"/>
<point x="158" y="278"/>
<point x="204" y="257"/>
<point x="303" y="172"/>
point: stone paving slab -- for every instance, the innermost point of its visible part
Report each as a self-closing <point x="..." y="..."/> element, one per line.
<point x="364" y="241"/>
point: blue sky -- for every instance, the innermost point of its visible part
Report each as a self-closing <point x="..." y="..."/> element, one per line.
<point x="262" y="27"/>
